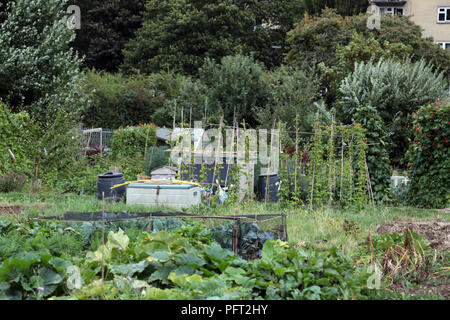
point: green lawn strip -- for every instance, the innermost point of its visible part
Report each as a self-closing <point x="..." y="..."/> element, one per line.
<point x="327" y="228"/>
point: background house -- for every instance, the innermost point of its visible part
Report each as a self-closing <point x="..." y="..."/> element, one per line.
<point x="432" y="15"/>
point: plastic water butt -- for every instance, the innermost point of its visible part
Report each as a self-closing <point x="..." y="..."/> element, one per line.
<point x="106" y="181"/>
<point x="272" y="188"/>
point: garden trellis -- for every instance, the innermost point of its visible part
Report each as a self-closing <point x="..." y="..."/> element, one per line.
<point x="329" y="170"/>
<point x="328" y="167"/>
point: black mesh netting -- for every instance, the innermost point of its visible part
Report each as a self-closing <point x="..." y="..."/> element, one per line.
<point x="244" y="234"/>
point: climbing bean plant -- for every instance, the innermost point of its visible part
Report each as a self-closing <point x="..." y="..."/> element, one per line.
<point x="335" y="165"/>
<point x="429" y="157"/>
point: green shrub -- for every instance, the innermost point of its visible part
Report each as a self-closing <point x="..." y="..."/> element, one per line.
<point x="395" y="89"/>
<point x="37" y="151"/>
<point x="12" y="182"/>
<point x="188" y="105"/>
<point x="291" y="93"/>
<point x="81" y="176"/>
<point x="236" y="87"/>
<point x="131" y="141"/>
<point x="429" y="151"/>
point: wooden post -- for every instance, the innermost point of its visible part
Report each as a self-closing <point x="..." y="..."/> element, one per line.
<point x="101" y="141"/>
<point x="219" y="144"/>
<point x="206" y="109"/>
<point x="174" y="114"/>
<point x="231" y="154"/>
<point x="342" y="169"/>
<point x="283" y="233"/>
<point x="182" y="116"/>
<point x="369" y="183"/>
<point x="331" y="165"/>
<point x="235" y="240"/>
<point x="268" y="167"/>
<point x="103" y="244"/>
<point x="296" y="154"/>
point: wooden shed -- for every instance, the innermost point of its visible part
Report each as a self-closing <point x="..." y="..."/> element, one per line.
<point x="164" y="172"/>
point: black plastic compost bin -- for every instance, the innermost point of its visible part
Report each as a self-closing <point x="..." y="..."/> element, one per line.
<point x="106" y="181"/>
<point x="270" y="184"/>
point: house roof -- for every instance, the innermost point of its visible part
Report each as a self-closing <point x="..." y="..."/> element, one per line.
<point x="164" y="169"/>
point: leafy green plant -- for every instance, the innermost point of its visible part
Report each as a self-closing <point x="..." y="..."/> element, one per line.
<point x="378" y="163"/>
<point x="12" y="182"/>
<point x="31" y="275"/>
<point x="337" y="171"/>
<point x="428" y="157"/>
<point x="13" y="129"/>
<point x="118" y="100"/>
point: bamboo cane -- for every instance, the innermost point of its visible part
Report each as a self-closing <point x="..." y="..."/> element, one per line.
<point x="313" y="177"/>
<point x="103" y="244"/>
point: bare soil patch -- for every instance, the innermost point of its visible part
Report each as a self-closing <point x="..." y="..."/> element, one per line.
<point x="437" y="233"/>
<point x="17" y="209"/>
<point x="436" y="285"/>
<point x="10" y="209"/>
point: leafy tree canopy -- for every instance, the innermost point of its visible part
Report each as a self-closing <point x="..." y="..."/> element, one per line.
<point x="316" y="39"/>
<point x="335" y="43"/>
<point x="105" y="28"/>
<point x="343" y="7"/>
<point x="179" y="34"/>
<point x="39" y="71"/>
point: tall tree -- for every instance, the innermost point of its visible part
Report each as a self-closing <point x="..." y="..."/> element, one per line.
<point x="179" y="34"/>
<point x="40" y="74"/>
<point x="39" y="71"/>
<point x="105" y="28"/>
<point x="343" y="7"/>
<point x="319" y="40"/>
<point x="273" y="19"/>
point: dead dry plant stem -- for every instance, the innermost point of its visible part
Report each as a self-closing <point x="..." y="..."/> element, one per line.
<point x="398" y="264"/>
<point x="12" y="214"/>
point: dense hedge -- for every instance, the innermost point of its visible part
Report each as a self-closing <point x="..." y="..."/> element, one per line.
<point x="118" y="100"/>
<point x="130" y="141"/>
<point x="429" y="151"/>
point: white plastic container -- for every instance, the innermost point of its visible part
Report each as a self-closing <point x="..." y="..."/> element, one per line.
<point x="174" y="195"/>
